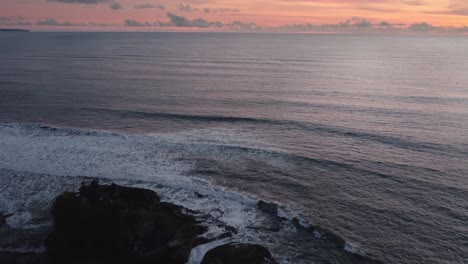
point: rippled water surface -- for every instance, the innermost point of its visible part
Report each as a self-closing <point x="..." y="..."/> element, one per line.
<point x="366" y="135"/>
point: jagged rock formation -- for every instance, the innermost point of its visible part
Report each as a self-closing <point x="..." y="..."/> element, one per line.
<point x="239" y="253"/>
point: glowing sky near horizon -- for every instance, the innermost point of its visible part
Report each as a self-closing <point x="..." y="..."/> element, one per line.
<point x="268" y="13"/>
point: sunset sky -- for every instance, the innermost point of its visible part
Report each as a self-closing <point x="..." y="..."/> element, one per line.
<point x="222" y="14"/>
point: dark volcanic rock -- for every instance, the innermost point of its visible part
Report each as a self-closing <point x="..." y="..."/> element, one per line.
<point x="24" y="258"/>
<point x="271" y="208"/>
<point x="135" y="196"/>
<point x="2" y="220"/>
<point x="199" y="195"/>
<point x="122" y="224"/>
<point x="239" y="253"/>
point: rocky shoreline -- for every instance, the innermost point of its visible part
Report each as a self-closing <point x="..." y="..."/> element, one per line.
<point x="117" y="224"/>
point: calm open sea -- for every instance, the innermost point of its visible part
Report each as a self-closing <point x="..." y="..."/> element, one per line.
<point x="365" y="135"/>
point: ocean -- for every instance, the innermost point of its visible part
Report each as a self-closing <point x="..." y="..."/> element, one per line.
<point x="363" y="135"/>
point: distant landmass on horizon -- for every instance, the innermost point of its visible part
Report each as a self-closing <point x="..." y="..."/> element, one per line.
<point x="14" y="30"/>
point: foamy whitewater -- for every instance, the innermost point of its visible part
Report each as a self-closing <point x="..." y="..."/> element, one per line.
<point x="363" y="136"/>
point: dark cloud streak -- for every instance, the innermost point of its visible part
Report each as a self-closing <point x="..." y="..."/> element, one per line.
<point x="14" y="21"/>
<point x="150" y="6"/>
<point x="180" y="21"/>
<point x="80" y="1"/>
<point x="187" y="8"/>
<point x="116" y="6"/>
<point x="217" y="10"/>
<point x="54" y="23"/>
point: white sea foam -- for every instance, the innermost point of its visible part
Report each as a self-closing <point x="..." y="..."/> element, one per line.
<point x="354" y="248"/>
<point x="317" y="234"/>
<point x="286" y="212"/>
<point x="39" y="163"/>
<point x="197" y="254"/>
<point x="94" y="155"/>
<point x="20" y="220"/>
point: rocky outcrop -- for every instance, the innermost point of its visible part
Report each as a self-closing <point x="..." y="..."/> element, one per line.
<point x="270" y="208"/>
<point x="239" y="253"/>
<point x="112" y="223"/>
<point x="2" y="220"/>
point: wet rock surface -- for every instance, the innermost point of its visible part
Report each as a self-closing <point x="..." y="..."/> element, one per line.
<point x="239" y="253"/>
<point x="113" y="223"/>
<point x="271" y="208"/>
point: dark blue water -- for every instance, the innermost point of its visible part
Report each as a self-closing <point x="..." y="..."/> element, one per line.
<point x="365" y="135"/>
